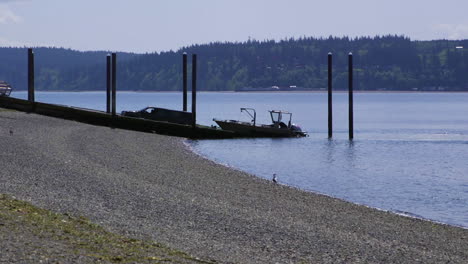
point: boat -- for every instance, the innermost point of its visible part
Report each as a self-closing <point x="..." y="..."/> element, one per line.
<point x="5" y="89"/>
<point x="251" y="129"/>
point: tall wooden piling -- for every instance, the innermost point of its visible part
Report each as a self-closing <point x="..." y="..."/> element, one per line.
<point x="184" y="81"/>
<point x="108" y="84"/>
<point x="194" y="90"/>
<point x="31" y="75"/>
<point x="330" y="102"/>
<point x="350" y="96"/>
<point x="114" y="82"/>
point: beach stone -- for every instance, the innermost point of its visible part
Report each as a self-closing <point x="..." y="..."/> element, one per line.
<point x="151" y="186"/>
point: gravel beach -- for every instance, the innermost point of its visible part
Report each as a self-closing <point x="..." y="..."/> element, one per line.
<point x="151" y="186"/>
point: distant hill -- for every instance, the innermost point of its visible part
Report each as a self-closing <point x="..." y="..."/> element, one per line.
<point x="381" y="63"/>
<point x="54" y="67"/>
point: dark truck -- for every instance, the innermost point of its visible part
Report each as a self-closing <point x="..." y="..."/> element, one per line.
<point x="161" y="114"/>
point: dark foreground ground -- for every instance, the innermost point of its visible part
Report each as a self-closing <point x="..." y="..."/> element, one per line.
<point x="149" y="186"/>
<point x="33" y="235"/>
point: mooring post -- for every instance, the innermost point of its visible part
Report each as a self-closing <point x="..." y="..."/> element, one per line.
<point x="330" y="102"/>
<point x="184" y="80"/>
<point x="114" y="82"/>
<point x="31" y="75"/>
<point x="350" y="97"/>
<point x="108" y="84"/>
<point x="194" y="90"/>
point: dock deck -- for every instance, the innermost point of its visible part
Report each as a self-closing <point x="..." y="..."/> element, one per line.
<point x="100" y="118"/>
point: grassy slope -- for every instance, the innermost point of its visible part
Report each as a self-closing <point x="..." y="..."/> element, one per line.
<point x="50" y="236"/>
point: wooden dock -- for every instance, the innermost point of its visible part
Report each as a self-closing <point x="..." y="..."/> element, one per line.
<point x="101" y="118"/>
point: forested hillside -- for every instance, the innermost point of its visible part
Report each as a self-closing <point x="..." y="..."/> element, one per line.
<point x="381" y="63"/>
<point x="55" y="68"/>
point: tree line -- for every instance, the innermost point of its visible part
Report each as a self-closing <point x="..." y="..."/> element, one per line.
<point x="380" y="63"/>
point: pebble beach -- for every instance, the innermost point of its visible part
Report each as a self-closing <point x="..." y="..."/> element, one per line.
<point x="152" y="187"/>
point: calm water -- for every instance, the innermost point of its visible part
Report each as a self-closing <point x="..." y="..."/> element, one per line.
<point x="408" y="156"/>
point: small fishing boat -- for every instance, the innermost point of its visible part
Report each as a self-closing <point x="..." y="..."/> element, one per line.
<point x="251" y="129"/>
<point x="5" y="89"/>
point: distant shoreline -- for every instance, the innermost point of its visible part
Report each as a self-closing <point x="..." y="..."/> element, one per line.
<point x="299" y="91"/>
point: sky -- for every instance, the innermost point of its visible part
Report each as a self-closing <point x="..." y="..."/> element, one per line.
<point x="161" y="25"/>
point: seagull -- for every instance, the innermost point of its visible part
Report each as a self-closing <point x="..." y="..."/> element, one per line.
<point x="275" y="179"/>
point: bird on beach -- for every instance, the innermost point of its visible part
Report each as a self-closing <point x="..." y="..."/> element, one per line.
<point x="275" y="179"/>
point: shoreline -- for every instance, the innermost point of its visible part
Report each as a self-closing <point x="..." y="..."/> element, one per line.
<point x="279" y="92"/>
<point x="153" y="187"/>
<point x="297" y="188"/>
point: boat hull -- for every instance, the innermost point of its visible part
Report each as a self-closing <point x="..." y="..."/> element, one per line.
<point x="249" y="130"/>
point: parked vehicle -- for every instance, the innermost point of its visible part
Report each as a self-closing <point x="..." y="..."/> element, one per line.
<point x="161" y="114"/>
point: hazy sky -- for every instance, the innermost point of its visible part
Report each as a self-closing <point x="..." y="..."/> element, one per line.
<point x="160" y="25"/>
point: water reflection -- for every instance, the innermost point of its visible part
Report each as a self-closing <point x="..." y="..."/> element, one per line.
<point x="350" y="154"/>
<point x="329" y="149"/>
